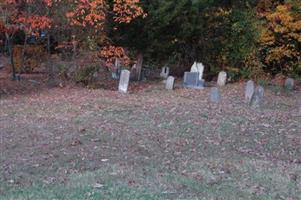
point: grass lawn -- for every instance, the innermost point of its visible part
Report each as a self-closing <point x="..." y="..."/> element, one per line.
<point x="75" y="143"/>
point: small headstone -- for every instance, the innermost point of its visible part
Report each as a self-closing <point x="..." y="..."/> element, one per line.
<point x="191" y="80"/>
<point x="249" y="91"/>
<point x="289" y="84"/>
<point x="258" y="97"/>
<point x="215" y="96"/>
<point x="170" y="83"/>
<point x="222" y="78"/>
<point x="124" y="81"/>
<point x="198" y="67"/>
<point x="165" y="72"/>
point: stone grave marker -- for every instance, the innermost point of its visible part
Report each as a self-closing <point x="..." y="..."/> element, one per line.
<point x="215" y="95"/>
<point x="258" y="97"/>
<point x="222" y="78"/>
<point x="198" y="67"/>
<point x="249" y="91"/>
<point x="191" y="80"/>
<point x="170" y="83"/>
<point x="289" y="84"/>
<point x="124" y="81"/>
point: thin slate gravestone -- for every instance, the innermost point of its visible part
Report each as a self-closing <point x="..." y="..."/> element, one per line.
<point x="222" y="78"/>
<point x="258" y="97"/>
<point x="170" y="83"/>
<point x="215" y="96"/>
<point x="124" y="81"/>
<point x="249" y="91"/>
<point x="289" y="84"/>
<point x="191" y="80"/>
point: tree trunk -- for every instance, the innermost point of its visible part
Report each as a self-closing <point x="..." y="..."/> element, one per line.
<point x="11" y="55"/>
<point x="139" y="66"/>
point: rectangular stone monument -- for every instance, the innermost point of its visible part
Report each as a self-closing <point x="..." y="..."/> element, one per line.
<point x="191" y="80"/>
<point x="170" y="83"/>
<point x="222" y="79"/>
<point x="124" y="81"/>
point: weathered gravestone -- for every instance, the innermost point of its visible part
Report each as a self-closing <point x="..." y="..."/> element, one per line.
<point x="249" y="91"/>
<point x="124" y="81"/>
<point x="215" y="96"/>
<point x="170" y="83"/>
<point x="191" y="80"/>
<point x="289" y="84"/>
<point x="258" y="97"/>
<point x="198" y="67"/>
<point x="165" y="72"/>
<point x="222" y="78"/>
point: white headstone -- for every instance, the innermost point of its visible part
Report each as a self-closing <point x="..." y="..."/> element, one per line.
<point x="165" y="72"/>
<point x="222" y="78"/>
<point x="170" y="83"/>
<point x="124" y="81"/>
<point x="198" y="67"/>
<point x="249" y="91"/>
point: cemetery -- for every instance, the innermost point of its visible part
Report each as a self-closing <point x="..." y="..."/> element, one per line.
<point x="150" y="100"/>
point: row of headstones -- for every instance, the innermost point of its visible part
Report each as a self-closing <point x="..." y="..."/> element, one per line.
<point x="254" y="96"/>
<point x="193" y="79"/>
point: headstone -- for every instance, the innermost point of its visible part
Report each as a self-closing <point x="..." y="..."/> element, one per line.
<point x="198" y="67"/>
<point x="222" y="78"/>
<point x="165" y="72"/>
<point x="258" y="97"/>
<point x="289" y="84"/>
<point x="191" y="80"/>
<point x="215" y="96"/>
<point x="170" y="83"/>
<point x="124" y="81"/>
<point x="249" y="91"/>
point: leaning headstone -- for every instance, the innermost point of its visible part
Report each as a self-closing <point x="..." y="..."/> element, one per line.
<point x="215" y="96"/>
<point x="191" y="80"/>
<point x="165" y="72"/>
<point x="170" y="83"/>
<point x="222" y="78"/>
<point x="198" y="67"/>
<point x="289" y="84"/>
<point x="249" y="91"/>
<point x="124" y="81"/>
<point x="258" y="97"/>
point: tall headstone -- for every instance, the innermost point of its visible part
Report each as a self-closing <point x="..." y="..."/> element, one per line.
<point x="249" y="91"/>
<point x="165" y="72"/>
<point x="198" y="67"/>
<point x="215" y="96"/>
<point x="191" y="80"/>
<point x="289" y="84"/>
<point x="170" y="83"/>
<point x="222" y="78"/>
<point x="124" y="81"/>
<point x="258" y="97"/>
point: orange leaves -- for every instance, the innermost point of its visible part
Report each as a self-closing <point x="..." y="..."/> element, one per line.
<point x="127" y="10"/>
<point x="34" y="22"/>
<point x="88" y="13"/>
<point x="110" y="53"/>
<point x="94" y="12"/>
